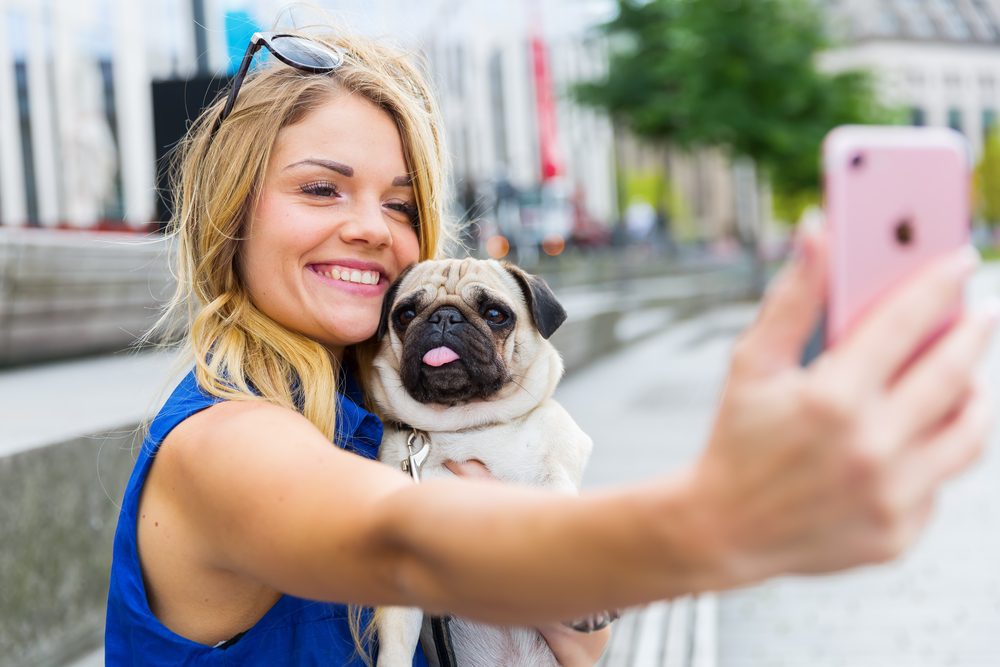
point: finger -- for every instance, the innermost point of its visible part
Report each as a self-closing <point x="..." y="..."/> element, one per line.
<point x="471" y="469"/>
<point x="893" y="332"/>
<point x="789" y="312"/>
<point x="934" y="385"/>
<point x="948" y="452"/>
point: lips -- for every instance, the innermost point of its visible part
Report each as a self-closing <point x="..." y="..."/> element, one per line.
<point x="349" y="275"/>
<point x="355" y="273"/>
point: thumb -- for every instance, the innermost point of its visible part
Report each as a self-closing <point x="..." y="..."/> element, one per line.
<point x="790" y="310"/>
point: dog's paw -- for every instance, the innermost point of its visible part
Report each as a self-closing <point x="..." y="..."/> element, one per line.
<point x="594" y="622"/>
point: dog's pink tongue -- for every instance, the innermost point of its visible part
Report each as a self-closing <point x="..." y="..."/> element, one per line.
<point x="440" y="356"/>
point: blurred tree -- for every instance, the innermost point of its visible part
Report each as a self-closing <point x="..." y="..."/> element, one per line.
<point x="732" y="73"/>
<point x="987" y="180"/>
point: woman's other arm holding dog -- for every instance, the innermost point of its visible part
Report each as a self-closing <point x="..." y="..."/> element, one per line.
<point x="807" y="470"/>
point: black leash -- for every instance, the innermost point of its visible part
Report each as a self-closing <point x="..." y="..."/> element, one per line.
<point x="435" y="635"/>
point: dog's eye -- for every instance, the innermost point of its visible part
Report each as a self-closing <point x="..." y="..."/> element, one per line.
<point x="405" y="316"/>
<point x="494" y="315"/>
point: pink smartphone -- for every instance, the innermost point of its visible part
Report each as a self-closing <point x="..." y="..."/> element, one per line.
<point x="895" y="198"/>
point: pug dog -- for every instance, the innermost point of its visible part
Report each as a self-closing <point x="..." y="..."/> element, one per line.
<point x="465" y="366"/>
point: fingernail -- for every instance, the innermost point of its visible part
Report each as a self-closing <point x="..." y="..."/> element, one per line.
<point x="966" y="262"/>
<point x="802" y="251"/>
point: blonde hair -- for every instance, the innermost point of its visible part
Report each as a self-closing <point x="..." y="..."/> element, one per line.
<point x="238" y="351"/>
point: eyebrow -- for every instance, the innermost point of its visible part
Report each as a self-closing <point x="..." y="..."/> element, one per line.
<point x="399" y="181"/>
<point x="328" y="164"/>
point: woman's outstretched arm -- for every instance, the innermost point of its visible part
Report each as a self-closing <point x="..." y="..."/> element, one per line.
<point x="807" y="470"/>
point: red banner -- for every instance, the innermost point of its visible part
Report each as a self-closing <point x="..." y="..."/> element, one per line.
<point x="545" y="108"/>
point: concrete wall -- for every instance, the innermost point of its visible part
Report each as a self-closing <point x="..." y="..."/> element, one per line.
<point x="58" y="512"/>
<point x="74" y="293"/>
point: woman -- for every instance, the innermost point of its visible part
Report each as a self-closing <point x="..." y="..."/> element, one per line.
<point x="246" y="517"/>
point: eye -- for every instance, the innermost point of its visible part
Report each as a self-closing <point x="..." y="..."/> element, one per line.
<point x="407" y="209"/>
<point x="320" y="189"/>
<point x="404" y="316"/>
<point x="495" y="315"/>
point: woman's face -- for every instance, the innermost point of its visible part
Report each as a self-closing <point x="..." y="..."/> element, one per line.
<point x="335" y="223"/>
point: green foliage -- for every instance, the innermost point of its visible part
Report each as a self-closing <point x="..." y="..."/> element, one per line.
<point x="987" y="180"/>
<point x="731" y="73"/>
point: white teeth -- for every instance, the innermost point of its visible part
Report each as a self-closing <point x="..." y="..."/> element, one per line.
<point x="353" y="276"/>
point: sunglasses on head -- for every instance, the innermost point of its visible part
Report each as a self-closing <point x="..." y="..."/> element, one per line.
<point x="298" y="52"/>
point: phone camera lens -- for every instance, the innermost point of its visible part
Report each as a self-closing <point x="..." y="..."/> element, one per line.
<point x="904" y="232"/>
<point x="857" y="161"/>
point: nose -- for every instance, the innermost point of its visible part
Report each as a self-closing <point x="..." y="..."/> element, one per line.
<point x="445" y="317"/>
<point x="367" y="226"/>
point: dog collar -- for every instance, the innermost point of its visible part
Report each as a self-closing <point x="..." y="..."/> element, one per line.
<point x="418" y="446"/>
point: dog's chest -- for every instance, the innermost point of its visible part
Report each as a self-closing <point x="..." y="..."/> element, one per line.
<point x="515" y="452"/>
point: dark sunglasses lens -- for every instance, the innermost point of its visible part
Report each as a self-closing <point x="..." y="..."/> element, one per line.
<point x="304" y="53"/>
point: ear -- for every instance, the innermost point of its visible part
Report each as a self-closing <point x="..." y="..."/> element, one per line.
<point x="387" y="303"/>
<point x="545" y="310"/>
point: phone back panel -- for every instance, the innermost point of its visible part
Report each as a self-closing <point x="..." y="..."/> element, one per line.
<point x="896" y="198"/>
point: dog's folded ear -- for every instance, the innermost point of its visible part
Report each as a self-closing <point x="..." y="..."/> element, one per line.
<point x="387" y="303"/>
<point x="545" y="309"/>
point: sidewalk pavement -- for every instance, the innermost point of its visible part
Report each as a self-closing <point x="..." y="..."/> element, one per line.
<point x="59" y="401"/>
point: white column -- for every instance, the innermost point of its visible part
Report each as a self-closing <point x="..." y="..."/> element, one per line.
<point x="134" y="108"/>
<point x="13" y="205"/>
<point x="43" y="129"/>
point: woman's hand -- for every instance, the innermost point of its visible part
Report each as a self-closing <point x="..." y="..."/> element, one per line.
<point x="575" y="649"/>
<point x="837" y="465"/>
<point x="571" y="648"/>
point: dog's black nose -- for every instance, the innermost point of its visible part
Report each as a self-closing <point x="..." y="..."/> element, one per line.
<point x="446" y="316"/>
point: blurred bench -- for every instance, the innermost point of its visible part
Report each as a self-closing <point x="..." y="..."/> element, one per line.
<point x="679" y="633"/>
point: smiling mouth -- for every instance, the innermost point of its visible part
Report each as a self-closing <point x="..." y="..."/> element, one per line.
<point x="347" y="275"/>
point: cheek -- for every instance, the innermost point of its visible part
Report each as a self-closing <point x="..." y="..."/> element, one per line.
<point x="407" y="247"/>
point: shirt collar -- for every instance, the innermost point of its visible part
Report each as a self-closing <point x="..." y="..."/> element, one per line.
<point x="358" y="430"/>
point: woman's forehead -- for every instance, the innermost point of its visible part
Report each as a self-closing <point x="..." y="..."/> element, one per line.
<point x="348" y="130"/>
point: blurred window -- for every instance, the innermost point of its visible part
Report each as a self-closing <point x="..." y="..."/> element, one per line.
<point x="989" y="121"/>
<point x="953" y="21"/>
<point x="913" y="10"/>
<point x="953" y="81"/>
<point x="917" y="117"/>
<point x="27" y="151"/>
<point x="497" y="102"/>
<point x="114" y="209"/>
<point x="979" y="8"/>
<point x="887" y="23"/>
<point x="915" y="77"/>
<point x="955" y="119"/>
<point x="986" y="83"/>
<point x="457" y="71"/>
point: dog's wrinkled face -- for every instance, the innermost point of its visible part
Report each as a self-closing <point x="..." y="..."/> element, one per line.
<point x="462" y="330"/>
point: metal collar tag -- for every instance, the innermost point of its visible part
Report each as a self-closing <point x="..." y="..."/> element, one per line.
<point x="415" y="460"/>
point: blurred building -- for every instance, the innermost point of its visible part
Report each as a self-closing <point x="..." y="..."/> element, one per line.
<point x="77" y="144"/>
<point x="937" y="59"/>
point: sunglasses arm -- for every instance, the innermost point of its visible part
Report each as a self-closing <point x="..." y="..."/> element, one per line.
<point x="255" y="43"/>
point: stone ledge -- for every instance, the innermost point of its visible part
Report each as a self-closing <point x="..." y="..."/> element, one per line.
<point x="58" y="512"/>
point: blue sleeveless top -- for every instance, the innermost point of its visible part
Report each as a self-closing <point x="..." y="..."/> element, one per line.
<point x="293" y="633"/>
